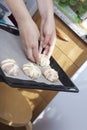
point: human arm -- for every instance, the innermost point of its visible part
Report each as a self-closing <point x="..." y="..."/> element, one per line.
<point x="28" y="30"/>
<point x="48" y="33"/>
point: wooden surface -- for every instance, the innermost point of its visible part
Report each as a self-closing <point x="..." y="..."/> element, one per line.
<point x="69" y="55"/>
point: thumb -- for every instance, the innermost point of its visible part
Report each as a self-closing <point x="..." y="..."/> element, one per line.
<point x="46" y="40"/>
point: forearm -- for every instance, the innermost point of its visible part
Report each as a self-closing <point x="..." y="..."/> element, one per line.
<point x="29" y="32"/>
<point x="19" y="10"/>
<point x="45" y="8"/>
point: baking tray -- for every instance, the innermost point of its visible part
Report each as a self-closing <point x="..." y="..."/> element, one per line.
<point x="11" y="47"/>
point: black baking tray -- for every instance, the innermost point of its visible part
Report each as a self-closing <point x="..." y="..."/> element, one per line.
<point x="66" y="86"/>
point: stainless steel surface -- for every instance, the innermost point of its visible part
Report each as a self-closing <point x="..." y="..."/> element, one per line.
<point x="82" y="33"/>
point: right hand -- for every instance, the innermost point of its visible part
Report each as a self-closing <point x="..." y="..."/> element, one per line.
<point x="48" y="36"/>
<point x="30" y="35"/>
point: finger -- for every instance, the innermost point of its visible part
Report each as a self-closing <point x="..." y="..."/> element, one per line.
<point x="46" y="50"/>
<point x="46" y="40"/>
<point x="49" y="53"/>
<point x="40" y="47"/>
<point x="41" y="33"/>
<point x="51" y="47"/>
<point x="30" y="55"/>
<point x="41" y="39"/>
<point x="36" y="53"/>
<point x="41" y="43"/>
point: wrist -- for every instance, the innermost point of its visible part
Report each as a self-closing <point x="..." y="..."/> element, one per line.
<point x="48" y="17"/>
<point x="21" y="19"/>
<point x="45" y="8"/>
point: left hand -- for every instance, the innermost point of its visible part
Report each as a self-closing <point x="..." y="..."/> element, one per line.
<point x="48" y="36"/>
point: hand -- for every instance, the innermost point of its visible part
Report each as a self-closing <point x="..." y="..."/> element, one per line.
<point x="30" y="35"/>
<point x="48" y="36"/>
